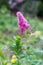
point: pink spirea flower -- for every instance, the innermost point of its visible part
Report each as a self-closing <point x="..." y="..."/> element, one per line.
<point x="22" y="22"/>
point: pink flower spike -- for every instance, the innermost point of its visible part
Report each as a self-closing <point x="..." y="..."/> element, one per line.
<point x="22" y="22"/>
<point x="22" y="30"/>
<point x="27" y="26"/>
<point x="21" y="17"/>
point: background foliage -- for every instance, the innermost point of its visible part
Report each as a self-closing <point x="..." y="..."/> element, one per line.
<point x="29" y="7"/>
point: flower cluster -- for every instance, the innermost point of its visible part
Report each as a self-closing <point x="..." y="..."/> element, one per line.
<point x="14" y="59"/>
<point x="22" y="22"/>
<point x="36" y="34"/>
